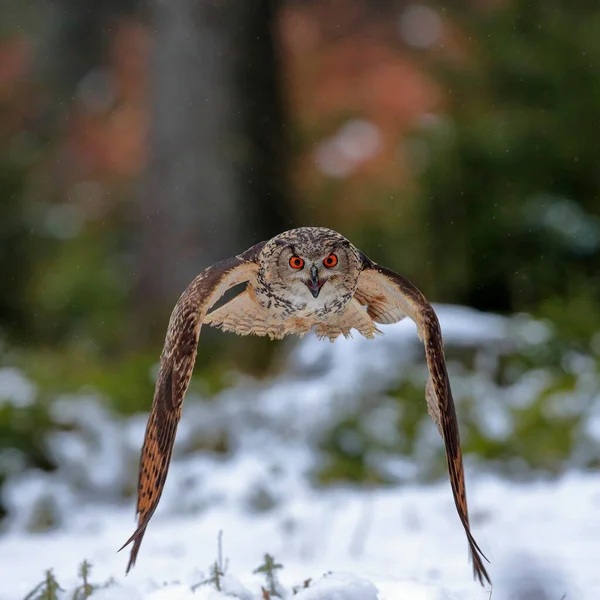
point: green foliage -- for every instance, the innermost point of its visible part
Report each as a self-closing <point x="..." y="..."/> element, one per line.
<point x="542" y="431"/>
<point x="576" y="316"/>
<point x="351" y="449"/>
<point x="16" y="255"/>
<point x="46" y="590"/>
<point x="23" y="431"/>
<point x="49" y="588"/>
<point x="127" y="381"/>
<point x="79" y="290"/>
<point x="510" y="195"/>
<point x="269" y="568"/>
<point x="86" y="589"/>
<point x="217" y="570"/>
<point x="305" y="585"/>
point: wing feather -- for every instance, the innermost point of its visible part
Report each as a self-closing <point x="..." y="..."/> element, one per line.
<point x="176" y="366"/>
<point x="392" y="295"/>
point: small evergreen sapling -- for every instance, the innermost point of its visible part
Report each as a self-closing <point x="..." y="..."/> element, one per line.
<point x="85" y="590"/>
<point x="45" y="590"/>
<point x="269" y="568"/>
<point x="217" y="570"/>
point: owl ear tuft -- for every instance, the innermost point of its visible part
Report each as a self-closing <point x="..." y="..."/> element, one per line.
<point x="366" y="262"/>
<point x="251" y="255"/>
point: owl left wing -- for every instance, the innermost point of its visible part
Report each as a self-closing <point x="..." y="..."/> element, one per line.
<point x="388" y="297"/>
<point x="176" y="366"/>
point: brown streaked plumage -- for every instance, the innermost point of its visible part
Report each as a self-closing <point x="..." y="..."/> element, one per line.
<point x="310" y="278"/>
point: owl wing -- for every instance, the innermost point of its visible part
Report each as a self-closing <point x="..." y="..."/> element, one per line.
<point x="388" y="297"/>
<point x="176" y="366"/>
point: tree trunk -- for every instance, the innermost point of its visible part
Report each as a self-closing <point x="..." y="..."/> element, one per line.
<point x="214" y="179"/>
<point x="83" y="37"/>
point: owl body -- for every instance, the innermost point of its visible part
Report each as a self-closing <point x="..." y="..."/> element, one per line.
<point x="283" y="299"/>
<point x="310" y="278"/>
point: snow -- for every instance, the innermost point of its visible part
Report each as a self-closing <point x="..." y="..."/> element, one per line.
<point x="379" y="545"/>
<point x="15" y="389"/>
<point x="339" y="586"/>
<point x="350" y="542"/>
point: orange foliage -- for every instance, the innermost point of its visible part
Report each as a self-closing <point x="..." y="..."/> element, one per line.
<point x="109" y="143"/>
<point x="342" y="62"/>
<point x="15" y="66"/>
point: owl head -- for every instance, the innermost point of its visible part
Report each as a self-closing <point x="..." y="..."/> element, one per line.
<point x="310" y="262"/>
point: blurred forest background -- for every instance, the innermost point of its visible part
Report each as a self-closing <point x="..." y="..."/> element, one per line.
<point x="456" y="142"/>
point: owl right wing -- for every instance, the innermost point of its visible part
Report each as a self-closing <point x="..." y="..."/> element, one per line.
<point x="176" y="366"/>
<point x="389" y="297"/>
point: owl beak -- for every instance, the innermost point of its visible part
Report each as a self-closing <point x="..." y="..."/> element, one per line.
<point x="313" y="284"/>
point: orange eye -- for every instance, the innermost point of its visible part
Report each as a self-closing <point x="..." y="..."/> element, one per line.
<point x="330" y="261"/>
<point x="296" y="262"/>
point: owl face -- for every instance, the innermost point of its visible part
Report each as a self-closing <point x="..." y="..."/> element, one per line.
<point x="312" y="270"/>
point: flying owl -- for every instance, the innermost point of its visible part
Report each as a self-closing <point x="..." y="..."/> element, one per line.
<point x="310" y="278"/>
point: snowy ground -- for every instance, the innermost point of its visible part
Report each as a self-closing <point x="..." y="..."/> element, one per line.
<point x="408" y="543"/>
<point x="405" y="542"/>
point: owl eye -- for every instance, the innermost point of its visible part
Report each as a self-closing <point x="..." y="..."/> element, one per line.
<point x="330" y="261"/>
<point x="296" y="262"/>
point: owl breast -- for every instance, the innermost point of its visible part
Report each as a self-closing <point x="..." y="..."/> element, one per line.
<point x="296" y="301"/>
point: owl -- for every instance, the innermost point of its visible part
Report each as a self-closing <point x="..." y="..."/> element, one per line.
<point x="305" y="279"/>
